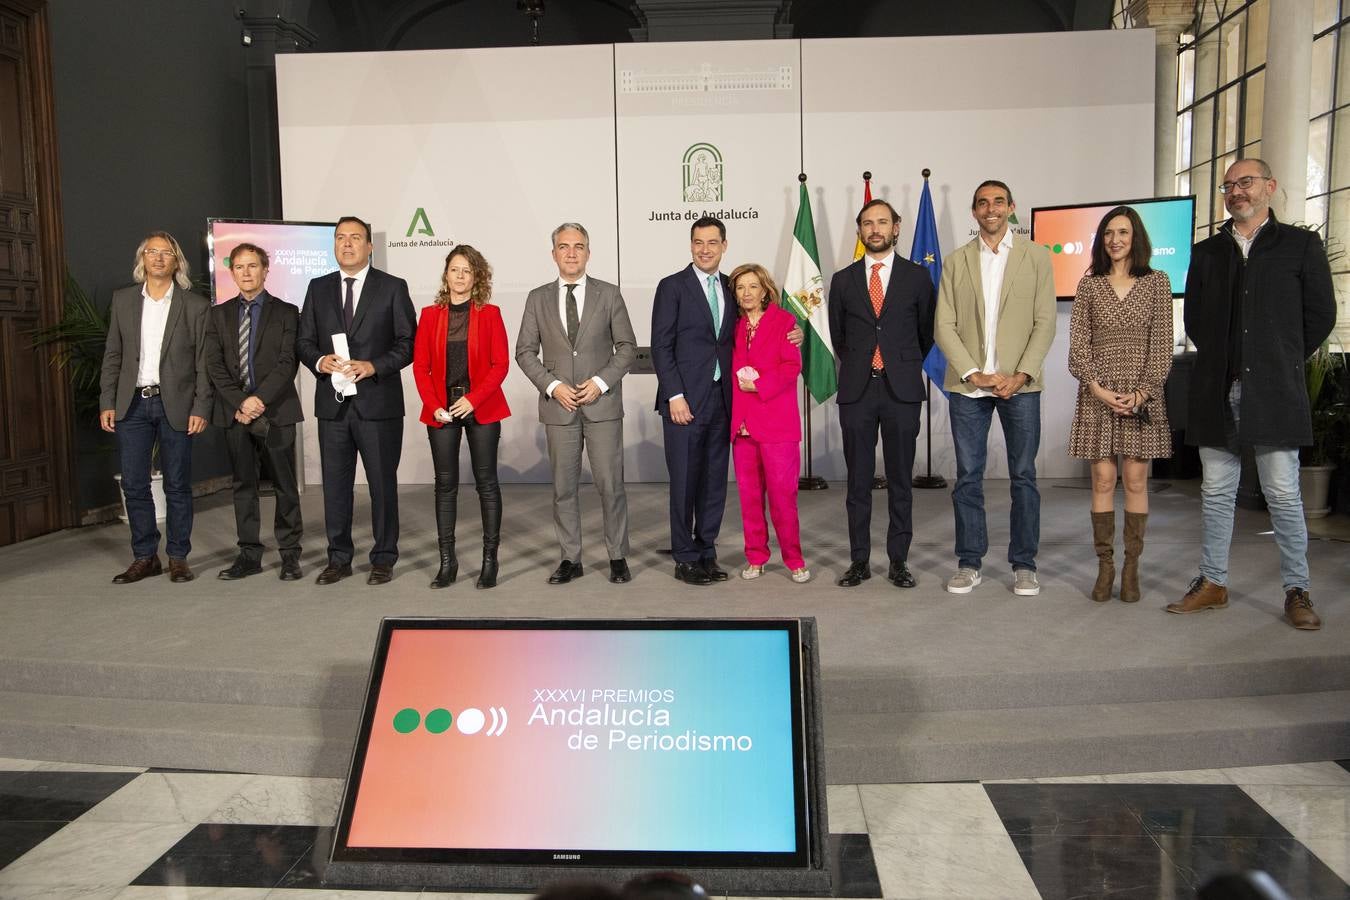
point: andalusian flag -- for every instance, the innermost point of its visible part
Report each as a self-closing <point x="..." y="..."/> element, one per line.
<point x="804" y="296"/>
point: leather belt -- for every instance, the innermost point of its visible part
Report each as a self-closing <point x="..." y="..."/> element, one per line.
<point x="148" y="391"/>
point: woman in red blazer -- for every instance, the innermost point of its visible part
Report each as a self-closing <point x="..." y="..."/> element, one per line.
<point x="460" y="359"/>
<point x="766" y="423"/>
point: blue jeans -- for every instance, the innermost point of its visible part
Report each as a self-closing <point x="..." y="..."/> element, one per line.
<point x="1020" y="416"/>
<point x="1278" y="471"/>
<point x="137" y="433"/>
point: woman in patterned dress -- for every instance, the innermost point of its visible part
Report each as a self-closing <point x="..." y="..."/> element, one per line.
<point x="1120" y="350"/>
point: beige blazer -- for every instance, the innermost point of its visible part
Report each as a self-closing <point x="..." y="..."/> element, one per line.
<point x="1026" y="315"/>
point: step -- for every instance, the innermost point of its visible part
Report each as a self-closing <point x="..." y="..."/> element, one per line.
<point x="1086" y="739"/>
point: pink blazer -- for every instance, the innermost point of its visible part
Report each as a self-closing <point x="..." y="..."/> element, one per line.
<point x="771" y="412"/>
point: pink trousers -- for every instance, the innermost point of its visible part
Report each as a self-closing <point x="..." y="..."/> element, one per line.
<point x="768" y="469"/>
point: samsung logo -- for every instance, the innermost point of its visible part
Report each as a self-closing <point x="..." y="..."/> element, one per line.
<point x="567" y="856"/>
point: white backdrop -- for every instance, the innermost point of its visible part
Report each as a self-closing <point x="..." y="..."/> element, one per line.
<point x="496" y="147"/>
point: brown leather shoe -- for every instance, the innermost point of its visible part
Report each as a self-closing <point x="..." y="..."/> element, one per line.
<point x="140" y="568"/>
<point x="1201" y="595"/>
<point x="1298" y="610"/>
<point x="179" y="571"/>
<point x="333" y="573"/>
<point x="380" y="574"/>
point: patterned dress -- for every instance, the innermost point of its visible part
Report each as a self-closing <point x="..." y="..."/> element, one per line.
<point x="1125" y="345"/>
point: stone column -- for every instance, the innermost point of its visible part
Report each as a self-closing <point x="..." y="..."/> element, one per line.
<point x="1168" y="19"/>
<point x="1287" y="105"/>
<point x="278" y="28"/>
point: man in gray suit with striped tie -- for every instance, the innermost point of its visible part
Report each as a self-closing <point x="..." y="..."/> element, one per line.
<point x="576" y="344"/>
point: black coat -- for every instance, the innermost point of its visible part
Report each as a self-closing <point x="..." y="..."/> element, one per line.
<point x="1288" y="309"/>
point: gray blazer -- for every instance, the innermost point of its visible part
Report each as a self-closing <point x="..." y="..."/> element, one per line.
<point x="185" y="388"/>
<point x="606" y="347"/>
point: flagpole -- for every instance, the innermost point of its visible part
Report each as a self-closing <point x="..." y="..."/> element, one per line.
<point x="808" y="482"/>
<point x="929" y="480"/>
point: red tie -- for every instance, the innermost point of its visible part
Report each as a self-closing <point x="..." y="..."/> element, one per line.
<point x="878" y="295"/>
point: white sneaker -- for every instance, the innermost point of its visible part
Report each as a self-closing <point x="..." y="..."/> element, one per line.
<point x="802" y="575"/>
<point x="752" y="571"/>
<point x="964" y="581"/>
<point x="1025" y="583"/>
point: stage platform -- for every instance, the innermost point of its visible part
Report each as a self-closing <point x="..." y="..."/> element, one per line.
<point x="919" y="685"/>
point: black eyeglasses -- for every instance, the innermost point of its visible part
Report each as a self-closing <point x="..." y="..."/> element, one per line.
<point x="1245" y="182"/>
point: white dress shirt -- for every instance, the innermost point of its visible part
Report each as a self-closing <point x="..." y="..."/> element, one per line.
<point x="359" y="283"/>
<point x="579" y="292"/>
<point x="993" y="265"/>
<point x="884" y="273"/>
<point x="154" y="316"/>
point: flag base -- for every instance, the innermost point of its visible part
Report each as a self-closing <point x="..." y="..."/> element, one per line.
<point x="879" y="483"/>
<point x="812" y="483"/>
<point x="930" y="482"/>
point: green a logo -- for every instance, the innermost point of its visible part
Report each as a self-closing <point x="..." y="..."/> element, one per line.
<point x="420" y="217"/>
<point x="1012" y="219"/>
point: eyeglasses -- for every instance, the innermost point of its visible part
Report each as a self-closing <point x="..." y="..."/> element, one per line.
<point x="1245" y="182"/>
<point x="163" y="254"/>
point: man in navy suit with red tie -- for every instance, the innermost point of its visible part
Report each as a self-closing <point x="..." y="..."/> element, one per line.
<point x="881" y="326"/>
<point x="374" y="311"/>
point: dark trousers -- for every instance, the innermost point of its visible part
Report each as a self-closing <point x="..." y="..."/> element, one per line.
<point x="277" y="443"/>
<point x="878" y="410"/>
<point x="137" y="434"/>
<point x="696" y="457"/>
<point x="483" y="441"/>
<point x="380" y="445"/>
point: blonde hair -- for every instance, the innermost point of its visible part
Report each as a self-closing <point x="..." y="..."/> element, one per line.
<point x="181" y="272"/>
<point x="481" y="292"/>
<point x="765" y="280"/>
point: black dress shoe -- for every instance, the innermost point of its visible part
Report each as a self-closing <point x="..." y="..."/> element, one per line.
<point x="566" y="571"/>
<point x="380" y="574"/>
<point x="290" y="569"/>
<point x="692" y="573"/>
<point x="715" y="572"/>
<point x="333" y="573"/>
<point x="242" y="568"/>
<point x="900" y="576"/>
<point x="857" y="573"/>
<point x="618" y="571"/>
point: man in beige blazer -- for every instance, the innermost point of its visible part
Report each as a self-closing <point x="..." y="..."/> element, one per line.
<point x="994" y="323"/>
<point x="576" y="343"/>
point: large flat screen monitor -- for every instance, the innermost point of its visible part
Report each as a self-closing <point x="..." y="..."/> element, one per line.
<point x="1068" y="232"/>
<point x="297" y="252"/>
<point x="648" y="743"/>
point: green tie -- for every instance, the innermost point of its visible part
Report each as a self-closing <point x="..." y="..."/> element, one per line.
<point x="712" y="305"/>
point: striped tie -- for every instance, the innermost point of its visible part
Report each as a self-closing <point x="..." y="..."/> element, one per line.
<point x="245" y="333"/>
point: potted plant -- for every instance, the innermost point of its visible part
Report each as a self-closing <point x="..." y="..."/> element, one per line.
<point x="78" y="340"/>
<point x="1330" y="415"/>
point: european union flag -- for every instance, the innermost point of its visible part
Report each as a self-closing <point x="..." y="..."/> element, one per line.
<point x="928" y="254"/>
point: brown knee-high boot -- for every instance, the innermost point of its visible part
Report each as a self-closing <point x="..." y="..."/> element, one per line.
<point x="1104" y="539"/>
<point x="1134" y="546"/>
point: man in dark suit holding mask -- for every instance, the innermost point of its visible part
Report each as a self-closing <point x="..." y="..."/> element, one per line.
<point x="881" y="326"/>
<point x="358" y="399"/>
<point x="250" y="356"/>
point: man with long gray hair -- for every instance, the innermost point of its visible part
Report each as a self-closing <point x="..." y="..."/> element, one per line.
<point x="155" y="391"/>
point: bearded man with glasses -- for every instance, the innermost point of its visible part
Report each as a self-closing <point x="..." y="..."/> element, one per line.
<point x="1259" y="302"/>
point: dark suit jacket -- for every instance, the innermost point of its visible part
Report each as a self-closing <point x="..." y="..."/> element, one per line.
<point x="685" y="343"/>
<point x="904" y="329"/>
<point x="274" y="361"/>
<point x="185" y="389"/>
<point x="381" y="333"/>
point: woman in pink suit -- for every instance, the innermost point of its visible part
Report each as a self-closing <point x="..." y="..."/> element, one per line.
<point x="766" y="423"/>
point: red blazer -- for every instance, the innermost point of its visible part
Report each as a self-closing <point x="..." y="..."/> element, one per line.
<point x="488" y="362"/>
<point x="770" y="413"/>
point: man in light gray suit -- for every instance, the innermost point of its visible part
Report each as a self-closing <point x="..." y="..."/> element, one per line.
<point x="155" y="390"/>
<point x="581" y="326"/>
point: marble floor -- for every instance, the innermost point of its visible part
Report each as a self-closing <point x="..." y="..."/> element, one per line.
<point x="99" y="832"/>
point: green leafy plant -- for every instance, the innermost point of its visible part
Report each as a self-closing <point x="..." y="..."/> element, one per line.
<point x="78" y="339"/>
<point x="1327" y="401"/>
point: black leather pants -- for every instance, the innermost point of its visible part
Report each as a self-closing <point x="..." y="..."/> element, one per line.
<point x="483" y="440"/>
